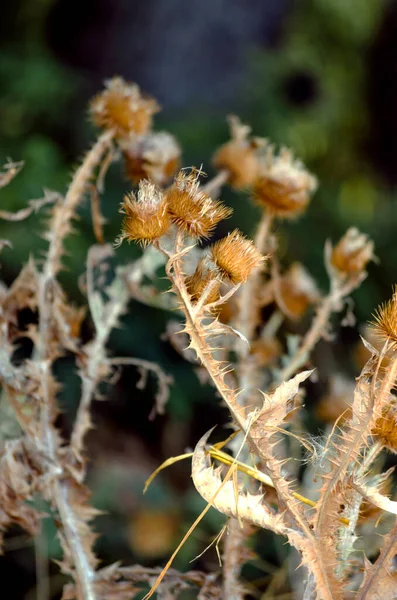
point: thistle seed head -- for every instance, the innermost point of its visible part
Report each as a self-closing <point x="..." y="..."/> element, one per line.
<point x="155" y="156"/>
<point x="146" y="217"/>
<point x="239" y="156"/>
<point x="352" y="253"/>
<point x="284" y="186"/>
<point x="298" y="290"/>
<point x="122" y="107"/>
<point x="236" y="257"/>
<point x="192" y="210"/>
<point x="385" y="320"/>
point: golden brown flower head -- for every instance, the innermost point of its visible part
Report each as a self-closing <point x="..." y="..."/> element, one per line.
<point x="155" y="156"/>
<point x="352" y="253"/>
<point x="284" y="186"/>
<point x="121" y="107"/>
<point x="236" y="257"/>
<point x="146" y="217"/>
<point x="298" y="290"/>
<point x="198" y="282"/>
<point x="239" y="156"/>
<point x="385" y="319"/>
<point x="192" y="210"/>
<point x="385" y="429"/>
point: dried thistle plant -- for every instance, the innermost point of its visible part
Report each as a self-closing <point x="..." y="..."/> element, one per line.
<point x="254" y="365"/>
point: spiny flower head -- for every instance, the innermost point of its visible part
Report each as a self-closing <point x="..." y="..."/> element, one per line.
<point x="146" y="217"/>
<point x="201" y="278"/>
<point x="284" y="186"/>
<point x="298" y="290"/>
<point x="155" y="156"/>
<point x="239" y="156"/>
<point x="236" y="257"/>
<point x="385" y="319"/>
<point x="352" y="253"/>
<point x="192" y="210"/>
<point x="122" y="107"/>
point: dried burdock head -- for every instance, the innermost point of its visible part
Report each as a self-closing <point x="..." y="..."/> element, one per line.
<point x="202" y="277"/>
<point x="239" y="156"/>
<point x="121" y="107"/>
<point x="155" y="156"/>
<point x="146" y="217"/>
<point x="385" y="430"/>
<point x="192" y="210"/>
<point x="236" y="257"/>
<point x="385" y="320"/>
<point x="352" y="253"/>
<point x="266" y="351"/>
<point x="298" y="290"/>
<point x="284" y="186"/>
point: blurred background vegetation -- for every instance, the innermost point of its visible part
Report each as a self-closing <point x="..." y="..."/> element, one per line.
<point x="316" y="75"/>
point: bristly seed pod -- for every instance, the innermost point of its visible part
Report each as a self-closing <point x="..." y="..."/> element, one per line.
<point x="385" y="320"/>
<point x="192" y="210"/>
<point x="121" y="107"/>
<point x="385" y="429"/>
<point x="284" y="185"/>
<point x="236" y="257"/>
<point x="352" y="253"/>
<point x="239" y="156"/>
<point x="146" y="217"/>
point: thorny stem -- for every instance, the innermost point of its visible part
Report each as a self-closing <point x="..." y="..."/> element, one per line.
<point x="175" y="273"/>
<point x="66" y="211"/>
<point x="329" y="305"/>
<point x="63" y="214"/>
<point x="247" y="323"/>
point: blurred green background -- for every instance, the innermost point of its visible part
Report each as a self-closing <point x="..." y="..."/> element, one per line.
<point x="315" y="75"/>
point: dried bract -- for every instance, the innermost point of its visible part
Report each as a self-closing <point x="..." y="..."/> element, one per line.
<point x="236" y="257"/>
<point x="284" y="185"/>
<point x="121" y="107"/>
<point x="192" y="210"/>
<point x="146" y="217"/>
<point x="155" y="156"/>
<point x="352" y="253"/>
<point x="239" y="156"/>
